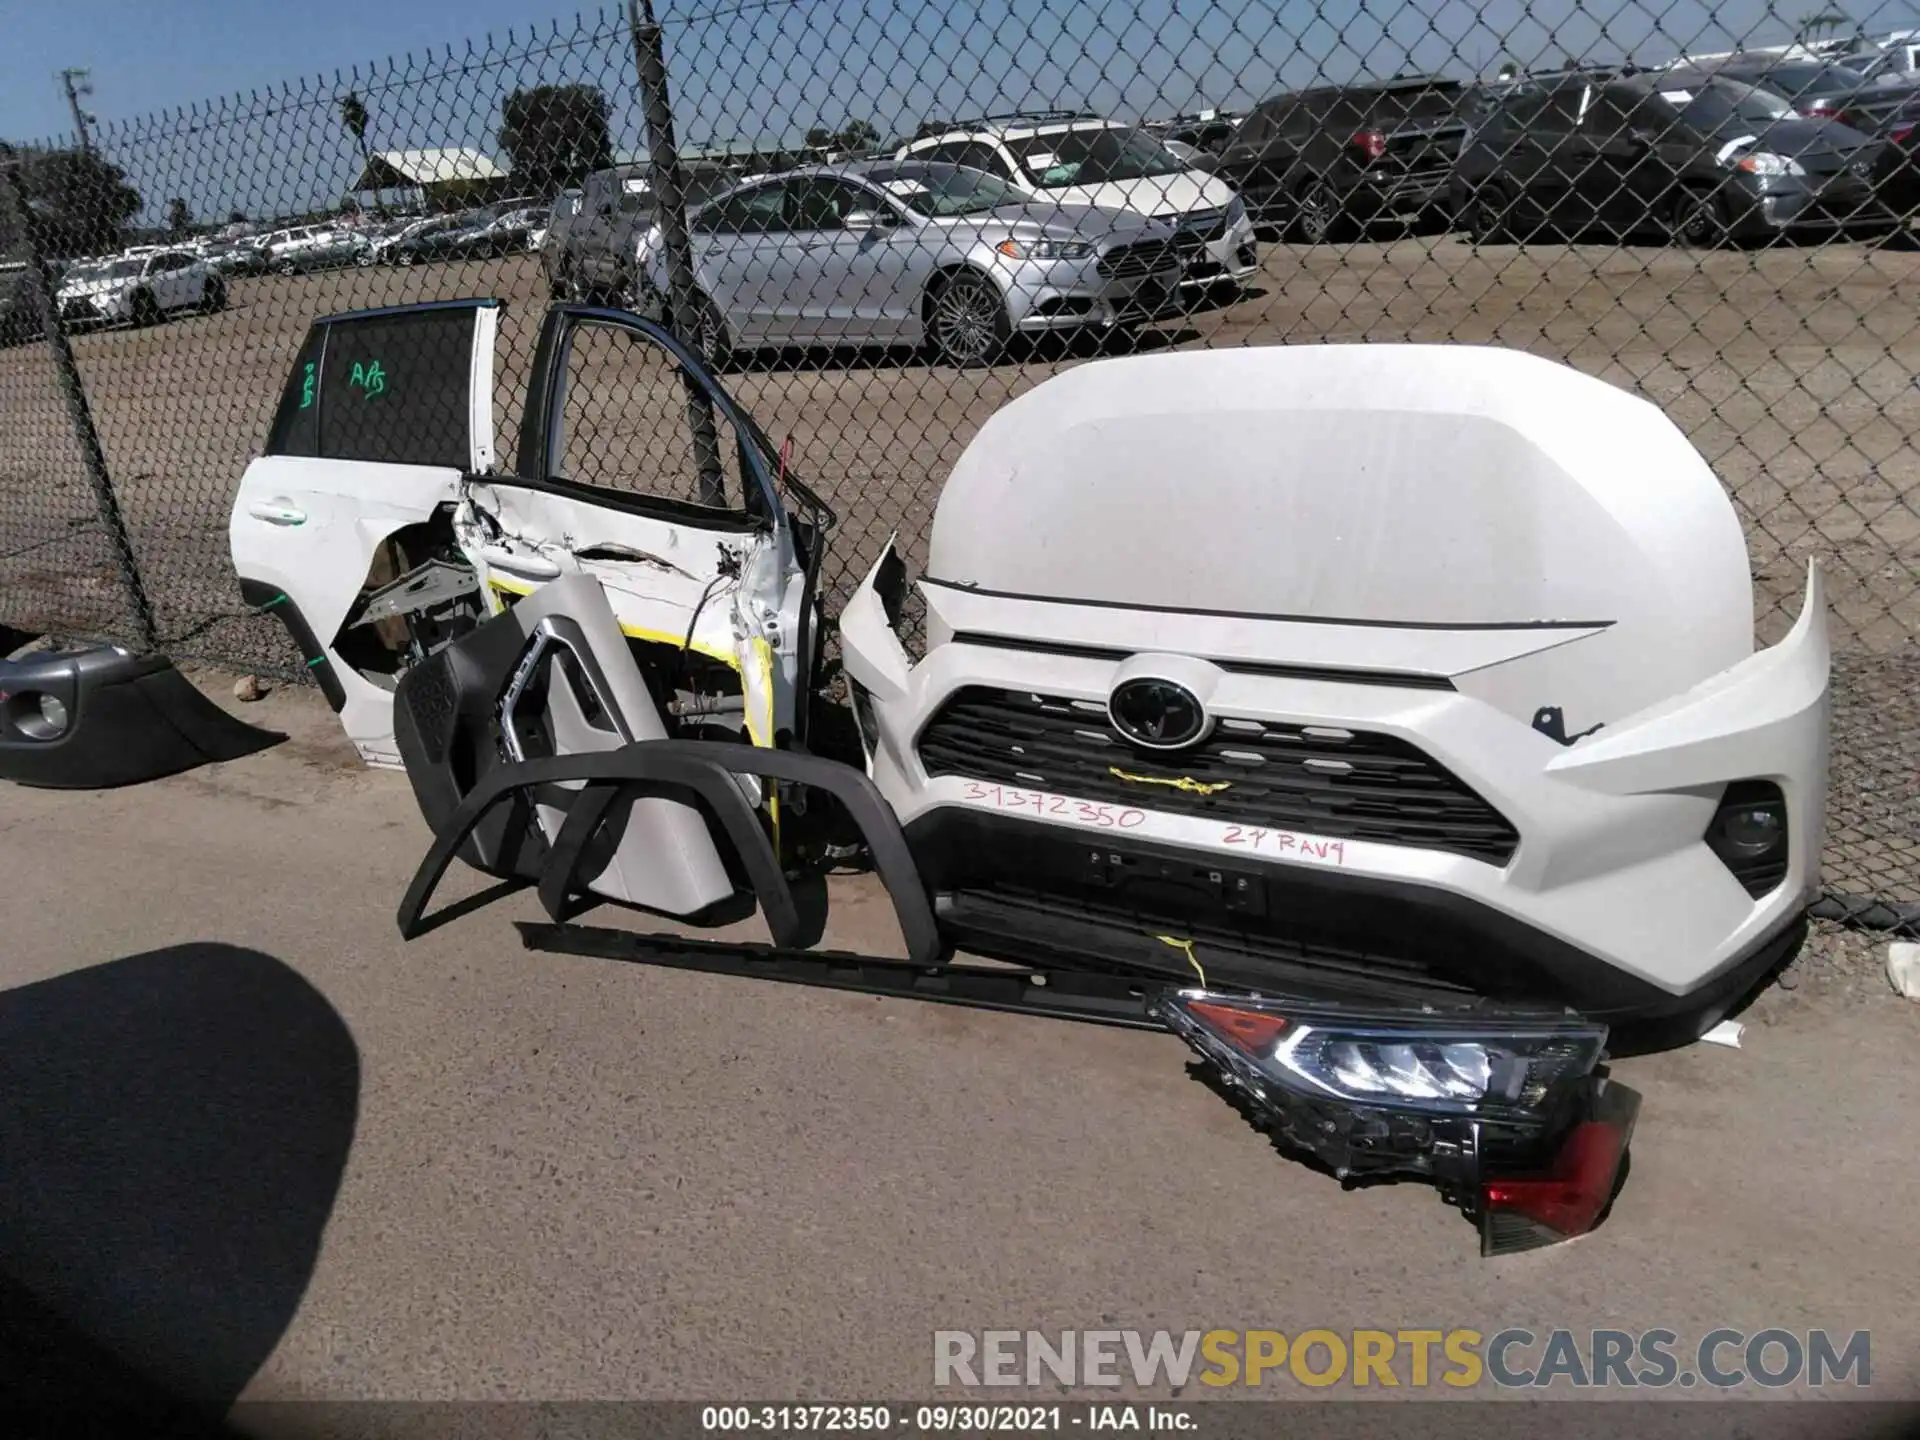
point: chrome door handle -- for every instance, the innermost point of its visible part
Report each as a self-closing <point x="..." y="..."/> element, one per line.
<point x="277" y="512"/>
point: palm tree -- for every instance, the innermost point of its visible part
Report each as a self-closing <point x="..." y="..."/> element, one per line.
<point x="353" y="115"/>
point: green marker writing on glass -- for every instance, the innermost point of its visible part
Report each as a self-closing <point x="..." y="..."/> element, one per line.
<point x="370" y="378"/>
<point x="306" y="386"/>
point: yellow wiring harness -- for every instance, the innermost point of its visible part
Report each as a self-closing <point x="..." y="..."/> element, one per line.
<point x="1186" y="948"/>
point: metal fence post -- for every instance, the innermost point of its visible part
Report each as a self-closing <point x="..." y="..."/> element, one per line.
<point x="670" y="198"/>
<point x="13" y="198"/>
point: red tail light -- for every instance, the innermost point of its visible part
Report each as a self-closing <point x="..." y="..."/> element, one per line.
<point x="1373" y="142"/>
<point x="1523" y="1211"/>
<point x="1898" y="135"/>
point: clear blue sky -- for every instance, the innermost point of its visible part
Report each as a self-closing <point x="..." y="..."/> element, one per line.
<point x="742" y="69"/>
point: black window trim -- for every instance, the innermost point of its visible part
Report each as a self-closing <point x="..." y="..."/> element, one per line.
<point x="538" y="442"/>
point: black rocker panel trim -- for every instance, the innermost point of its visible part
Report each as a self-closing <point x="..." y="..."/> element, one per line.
<point x="277" y="603"/>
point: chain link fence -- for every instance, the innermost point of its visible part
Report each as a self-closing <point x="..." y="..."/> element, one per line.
<point x="1705" y="204"/>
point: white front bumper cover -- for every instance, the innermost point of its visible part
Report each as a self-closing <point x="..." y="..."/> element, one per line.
<point x="1611" y="899"/>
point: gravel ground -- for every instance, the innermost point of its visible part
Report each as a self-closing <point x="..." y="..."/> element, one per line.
<point x="1792" y="369"/>
<point x="1836" y="967"/>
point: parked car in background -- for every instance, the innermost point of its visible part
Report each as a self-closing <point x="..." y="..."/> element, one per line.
<point x="519" y="229"/>
<point x="911" y="253"/>
<point x="1208" y="132"/>
<point x="409" y="244"/>
<point x="1819" y="90"/>
<point x="1898" y="180"/>
<point x="594" y="249"/>
<point x="1885" y="110"/>
<point x="314" y="247"/>
<point x="1319" y="162"/>
<point x="554" y="244"/>
<point x="1691" y="159"/>
<point x="381" y="247"/>
<point x="539" y="217"/>
<point x="1894" y="60"/>
<point x="1084" y="160"/>
<point x="140" y="289"/>
<point x="235" y="257"/>
<point x="19" y="316"/>
<point x="476" y="235"/>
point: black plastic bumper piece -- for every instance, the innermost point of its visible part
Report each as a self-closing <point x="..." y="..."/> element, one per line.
<point x="705" y="769"/>
<point x="102" y="717"/>
<point x="1033" y="893"/>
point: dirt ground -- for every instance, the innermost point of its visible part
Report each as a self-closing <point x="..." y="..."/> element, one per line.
<point x="1791" y="368"/>
<point x="293" y="1157"/>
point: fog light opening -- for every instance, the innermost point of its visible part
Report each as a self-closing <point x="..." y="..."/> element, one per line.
<point x="1749" y="834"/>
<point x="37" y="715"/>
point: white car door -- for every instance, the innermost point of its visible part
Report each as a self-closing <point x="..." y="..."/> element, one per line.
<point x="609" y="484"/>
<point x="378" y="495"/>
<point x="643" y="585"/>
<point x="383" y="415"/>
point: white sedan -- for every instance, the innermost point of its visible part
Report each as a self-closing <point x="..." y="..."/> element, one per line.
<point x="141" y="289"/>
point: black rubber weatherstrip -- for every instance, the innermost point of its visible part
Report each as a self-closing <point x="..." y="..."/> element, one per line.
<point x="965" y="589"/>
<point x="695" y="764"/>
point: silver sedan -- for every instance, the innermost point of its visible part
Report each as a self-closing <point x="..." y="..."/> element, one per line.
<point x="913" y="253"/>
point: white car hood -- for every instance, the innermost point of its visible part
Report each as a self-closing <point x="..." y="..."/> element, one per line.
<point x="1420" y="487"/>
<point x="1158" y="196"/>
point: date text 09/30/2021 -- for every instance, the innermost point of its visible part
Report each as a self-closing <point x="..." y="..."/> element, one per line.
<point x="948" y="1419"/>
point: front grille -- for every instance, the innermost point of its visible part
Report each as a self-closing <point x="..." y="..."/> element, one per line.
<point x="1143" y="258"/>
<point x="1342" y="784"/>
<point x="78" y="310"/>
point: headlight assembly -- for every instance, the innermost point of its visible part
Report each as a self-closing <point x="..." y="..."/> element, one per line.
<point x="1045" y="249"/>
<point x="1769" y="165"/>
<point x="1514" y="1069"/>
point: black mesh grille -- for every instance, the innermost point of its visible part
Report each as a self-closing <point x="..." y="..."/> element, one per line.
<point x="1141" y="259"/>
<point x="1339" y="783"/>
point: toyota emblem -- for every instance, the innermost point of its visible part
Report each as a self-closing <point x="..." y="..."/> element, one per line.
<point x="1158" y="714"/>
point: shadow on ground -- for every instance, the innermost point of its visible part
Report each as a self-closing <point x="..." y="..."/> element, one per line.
<point x="173" y="1131"/>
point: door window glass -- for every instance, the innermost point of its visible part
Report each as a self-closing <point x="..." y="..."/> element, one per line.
<point x="622" y="423"/>
<point x="392" y="389"/>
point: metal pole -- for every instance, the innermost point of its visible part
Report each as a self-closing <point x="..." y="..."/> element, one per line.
<point x="74" y="92"/>
<point x="670" y="200"/>
<point x="13" y="200"/>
